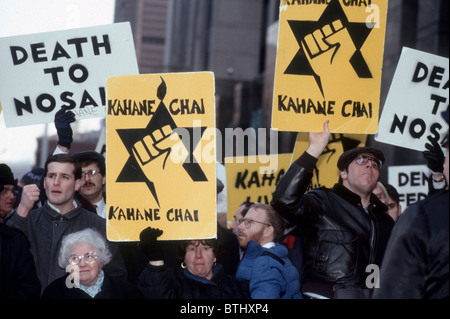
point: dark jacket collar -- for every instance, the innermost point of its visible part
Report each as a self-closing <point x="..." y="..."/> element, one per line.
<point x="218" y="275"/>
<point x="355" y="199"/>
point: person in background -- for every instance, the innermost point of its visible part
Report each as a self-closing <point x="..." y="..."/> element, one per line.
<point x="416" y="262"/>
<point x="265" y="264"/>
<point x="381" y="193"/>
<point x="8" y="193"/>
<point x="93" y="180"/>
<point x="83" y="254"/>
<point x="34" y="176"/>
<point x="202" y="276"/>
<point x="292" y="239"/>
<point x="240" y="213"/>
<point x="344" y="229"/>
<point x="393" y="204"/>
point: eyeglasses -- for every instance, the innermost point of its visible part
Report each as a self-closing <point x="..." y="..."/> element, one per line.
<point x="7" y="191"/>
<point x="362" y="159"/>
<point x="248" y="222"/>
<point x="92" y="174"/>
<point x="89" y="258"/>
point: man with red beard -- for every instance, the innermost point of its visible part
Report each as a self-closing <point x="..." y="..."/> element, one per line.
<point x="265" y="264"/>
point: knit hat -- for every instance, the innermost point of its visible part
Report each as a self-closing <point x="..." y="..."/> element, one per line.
<point x="6" y="175"/>
<point x="348" y="156"/>
<point x="32" y="177"/>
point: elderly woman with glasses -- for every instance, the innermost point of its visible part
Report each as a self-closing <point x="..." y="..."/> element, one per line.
<point x="202" y="276"/>
<point x="83" y="255"/>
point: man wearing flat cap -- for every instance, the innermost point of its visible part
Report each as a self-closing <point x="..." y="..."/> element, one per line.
<point x="345" y="229"/>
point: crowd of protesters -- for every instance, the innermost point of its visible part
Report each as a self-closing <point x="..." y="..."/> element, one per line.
<point x="305" y="244"/>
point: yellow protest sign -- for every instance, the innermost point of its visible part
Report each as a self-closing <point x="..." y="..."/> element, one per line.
<point x="160" y="142"/>
<point x="249" y="178"/>
<point x="326" y="172"/>
<point x="328" y="66"/>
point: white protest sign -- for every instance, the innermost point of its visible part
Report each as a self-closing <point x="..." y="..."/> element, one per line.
<point x="416" y="98"/>
<point x="42" y="72"/>
<point x="410" y="181"/>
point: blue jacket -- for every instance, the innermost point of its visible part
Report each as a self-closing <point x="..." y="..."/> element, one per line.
<point x="270" y="272"/>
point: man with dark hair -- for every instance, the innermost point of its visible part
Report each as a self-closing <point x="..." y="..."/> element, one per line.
<point x="93" y="180"/>
<point x="266" y="265"/>
<point x="394" y="207"/>
<point x="93" y="166"/>
<point x="344" y="229"/>
<point x="60" y="215"/>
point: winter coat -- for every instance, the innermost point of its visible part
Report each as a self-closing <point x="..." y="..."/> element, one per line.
<point x="160" y="282"/>
<point x="45" y="228"/>
<point x="416" y="263"/>
<point x="340" y="238"/>
<point x="112" y="288"/>
<point x="18" y="279"/>
<point x="270" y="273"/>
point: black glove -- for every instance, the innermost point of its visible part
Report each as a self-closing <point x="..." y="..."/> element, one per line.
<point x="434" y="156"/>
<point x="63" y="118"/>
<point x="149" y="243"/>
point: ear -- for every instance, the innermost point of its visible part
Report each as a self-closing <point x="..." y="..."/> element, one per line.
<point x="269" y="231"/>
<point x="343" y="174"/>
<point x="77" y="184"/>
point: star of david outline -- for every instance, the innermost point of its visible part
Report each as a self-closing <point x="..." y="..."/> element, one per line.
<point x="132" y="171"/>
<point x="348" y="143"/>
<point x="358" y="32"/>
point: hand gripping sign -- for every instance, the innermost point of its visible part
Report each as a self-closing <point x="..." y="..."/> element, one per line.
<point x="328" y="66"/>
<point x="160" y="145"/>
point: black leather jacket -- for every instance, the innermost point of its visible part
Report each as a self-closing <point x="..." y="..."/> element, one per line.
<point x="340" y="239"/>
<point x="416" y="263"/>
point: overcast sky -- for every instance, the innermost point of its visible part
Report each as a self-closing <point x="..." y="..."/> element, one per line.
<point x="17" y="17"/>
